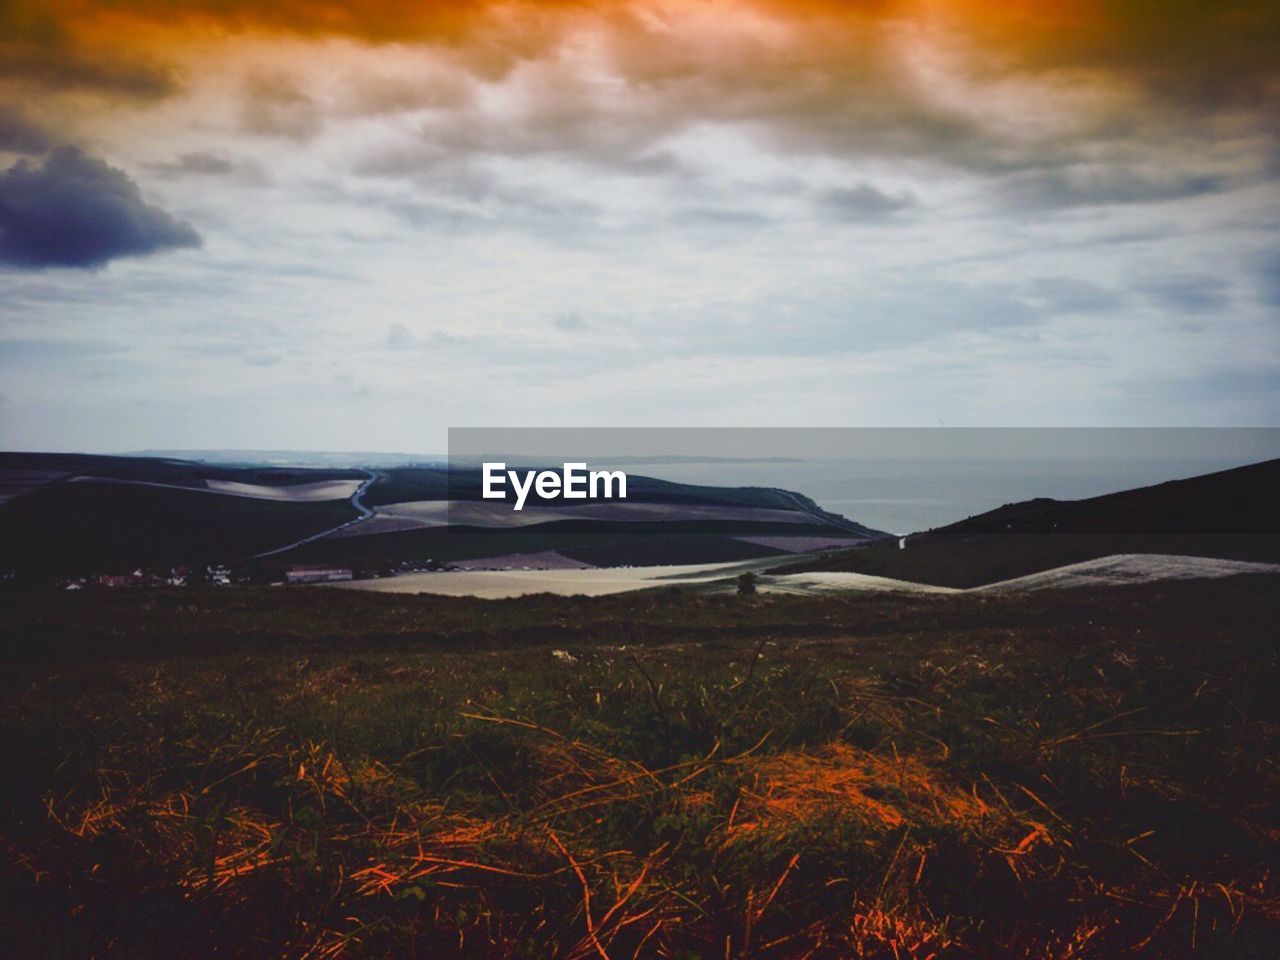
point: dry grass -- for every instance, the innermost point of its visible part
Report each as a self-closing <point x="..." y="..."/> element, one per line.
<point x="940" y="791"/>
<point x="627" y="905"/>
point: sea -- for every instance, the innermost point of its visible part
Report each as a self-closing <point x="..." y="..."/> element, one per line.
<point x="904" y="496"/>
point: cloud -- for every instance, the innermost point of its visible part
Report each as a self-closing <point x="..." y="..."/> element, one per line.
<point x="570" y="322"/>
<point x="472" y="162"/>
<point x="802" y="56"/>
<point x="398" y="337"/>
<point x="1046" y="190"/>
<point x="275" y="106"/>
<point x="368" y="93"/>
<point x="1186" y="293"/>
<point x="200" y="164"/>
<point x="862" y="203"/>
<point x="1197" y="53"/>
<point x="69" y="70"/>
<point x="74" y="210"/>
<point x="1268" y="275"/>
<point x="1069" y="295"/>
<point x="616" y="87"/>
<point x="703" y="214"/>
<point x="255" y="355"/>
<point x="44" y="353"/>
<point x="212" y="165"/>
<point x="40" y="45"/>
<point x="987" y="88"/>
<point x="20" y="134"/>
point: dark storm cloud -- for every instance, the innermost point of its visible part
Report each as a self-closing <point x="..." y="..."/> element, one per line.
<point x="74" y="210"/>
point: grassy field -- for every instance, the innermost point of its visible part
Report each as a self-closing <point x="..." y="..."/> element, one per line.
<point x="310" y="773"/>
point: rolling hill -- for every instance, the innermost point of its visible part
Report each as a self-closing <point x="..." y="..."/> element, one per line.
<point x="73" y="515"/>
<point x="1232" y="514"/>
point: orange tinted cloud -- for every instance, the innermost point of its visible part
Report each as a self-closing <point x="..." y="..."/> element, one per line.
<point x="834" y="69"/>
<point x="1196" y="35"/>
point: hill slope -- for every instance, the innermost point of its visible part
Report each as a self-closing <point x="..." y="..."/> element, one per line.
<point x="1232" y="514"/>
<point x="73" y="514"/>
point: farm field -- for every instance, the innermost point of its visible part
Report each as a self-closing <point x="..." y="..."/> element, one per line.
<point x="519" y="575"/>
<point x="562" y="580"/>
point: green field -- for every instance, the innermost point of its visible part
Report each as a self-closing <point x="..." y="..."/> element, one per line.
<point x="309" y="773"/>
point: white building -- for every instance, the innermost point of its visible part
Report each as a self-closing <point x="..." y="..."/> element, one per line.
<point x="316" y="573"/>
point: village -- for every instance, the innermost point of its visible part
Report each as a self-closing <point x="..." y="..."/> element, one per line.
<point x="225" y="574"/>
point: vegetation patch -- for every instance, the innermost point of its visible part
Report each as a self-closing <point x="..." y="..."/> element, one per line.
<point x="256" y="772"/>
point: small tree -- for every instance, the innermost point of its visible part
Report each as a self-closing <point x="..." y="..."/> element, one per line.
<point x="746" y="582"/>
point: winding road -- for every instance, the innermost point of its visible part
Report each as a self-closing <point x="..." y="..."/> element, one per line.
<point x="357" y="501"/>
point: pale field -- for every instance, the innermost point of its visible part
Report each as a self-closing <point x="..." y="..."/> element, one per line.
<point x="820" y="582"/>
<point x="590" y="582"/>
<point x="1110" y="571"/>
<point x="1125" y="568"/>
<point x="495" y="584"/>
<point x="293" y="493"/>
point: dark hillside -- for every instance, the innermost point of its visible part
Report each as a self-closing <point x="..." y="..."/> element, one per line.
<point x="1245" y="500"/>
<point x="152" y="512"/>
<point x="183" y="473"/>
<point x="1233" y="514"/>
<point x="79" y="528"/>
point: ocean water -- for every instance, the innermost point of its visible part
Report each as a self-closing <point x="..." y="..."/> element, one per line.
<point x="911" y="495"/>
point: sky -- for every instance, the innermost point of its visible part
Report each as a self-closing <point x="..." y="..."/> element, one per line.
<point x="350" y="226"/>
